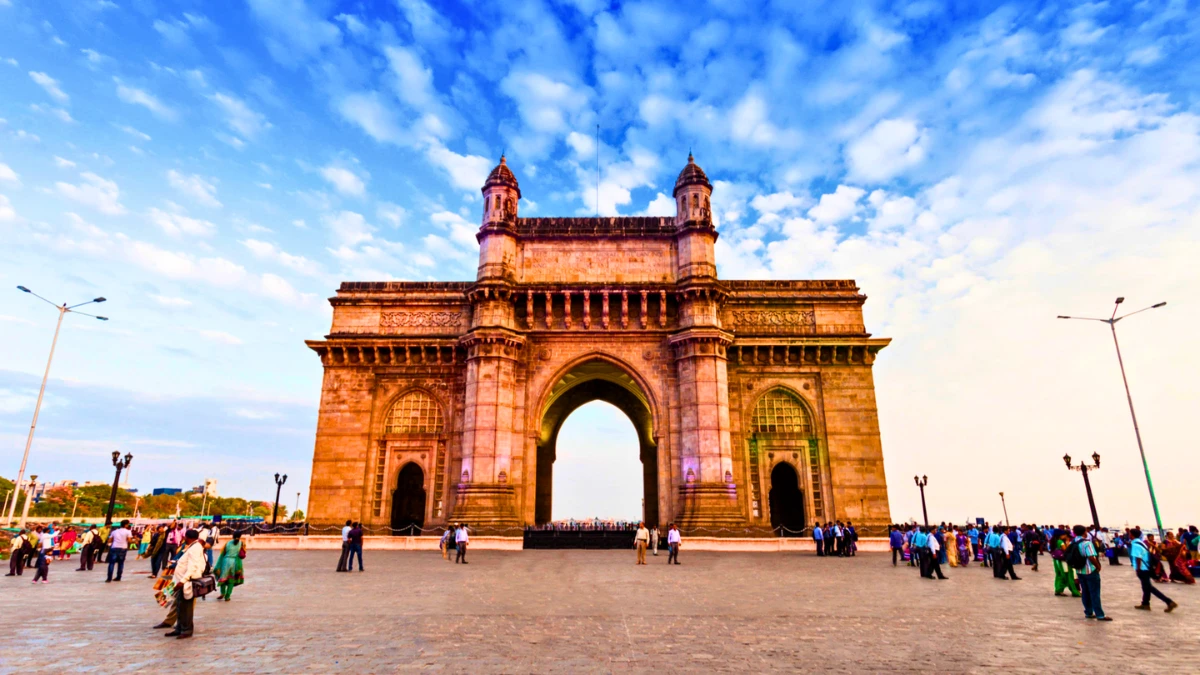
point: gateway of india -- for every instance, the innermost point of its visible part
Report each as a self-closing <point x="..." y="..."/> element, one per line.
<point x="753" y="401"/>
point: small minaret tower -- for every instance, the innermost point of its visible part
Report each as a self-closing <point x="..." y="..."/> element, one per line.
<point x="497" y="240"/>
<point x="693" y="223"/>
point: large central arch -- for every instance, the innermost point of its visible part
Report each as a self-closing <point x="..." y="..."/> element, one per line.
<point x="595" y="379"/>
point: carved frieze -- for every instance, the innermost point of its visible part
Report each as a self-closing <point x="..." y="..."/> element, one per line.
<point x="772" y="317"/>
<point x="420" y="319"/>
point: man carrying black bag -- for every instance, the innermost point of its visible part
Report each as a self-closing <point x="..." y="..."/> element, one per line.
<point x="190" y="567"/>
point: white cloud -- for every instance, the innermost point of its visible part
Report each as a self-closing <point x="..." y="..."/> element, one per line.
<point x="133" y="132"/>
<point x="888" y="149"/>
<point x="1144" y="56"/>
<point x="344" y="180"/>
<point x="252" y="414"/>
<point x="177" y="224"/>
<point x="97" y="192"/>
<point x="348" y="228"/>
<point x="50" y="85"/>
<point x="661" y="205"/>
<point x="392" y="214"/>
<point x="749" y="123"/>
<point x="63" y="163"/>
<point x="467" y="172"/>
<point x="201" y="190"/>
<point x="94" y="57"/>
<point x="136" y="96"/>
<point x="372" y="116"/>
<point x="57" y="113"/>
<point x="7" y="175"/>
<point x="239" y="116"/>
<point x="220" y="336"/>
<point x="837" y="206"/>
<point x="267" y="251"/>
<point x="295" y="31"/>
<point x="778" y="202"/>
<point x="171" y="302"/>
<point x="7" y="213"/>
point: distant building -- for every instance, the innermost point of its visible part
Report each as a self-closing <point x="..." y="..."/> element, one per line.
<point x="165" y="491"/>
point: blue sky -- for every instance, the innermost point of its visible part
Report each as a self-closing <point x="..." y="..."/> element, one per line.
<point x="216" y="168"/>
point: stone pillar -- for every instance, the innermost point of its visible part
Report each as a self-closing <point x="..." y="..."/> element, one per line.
<point x="587" y="310"/>
<point x="486" y="498"/>
<point x="708" y="494"/>
<point x="567" y="309"/>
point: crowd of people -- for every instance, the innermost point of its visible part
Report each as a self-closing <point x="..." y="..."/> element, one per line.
<point x="181" y="560"/>
<point x="1077" y="554"/>
<point x="836" y="539"/>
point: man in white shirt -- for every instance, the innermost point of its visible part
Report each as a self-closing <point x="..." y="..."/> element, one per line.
<point x="673" y="541"/>
<point x="342" y="561"/>
<point x="641" y="539"/>
<point x="935" y="567"/>
<point x="87" y="549"/>
<point x="208" y="539"/>
<point x="189" y="567"/>
<point x="1006" y="565"/>
<point x="118" y="542"/>
<point x="461" y="539"/>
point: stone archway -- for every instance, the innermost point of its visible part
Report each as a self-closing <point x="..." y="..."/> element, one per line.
<point x="786" y="501"/>
<point x="595" y="380"/>
<point x="408" y="500"/>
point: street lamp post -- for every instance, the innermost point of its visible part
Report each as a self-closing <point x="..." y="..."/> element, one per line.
<point x="112" y="496"/>
<point x="921" y="483"/>
<point x="1084" y="469"/>
<point x="30" y="488"/>
<point x="62" y="311"/>
<point x="1112" y="324"/>
<point x="297" y="504"/>
<point x="1005" y="507"/>
<point x="278" y="486"/>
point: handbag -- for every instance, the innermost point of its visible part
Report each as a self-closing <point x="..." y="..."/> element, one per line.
<point x="242" y="552"/>
<point x="203" y="586"/>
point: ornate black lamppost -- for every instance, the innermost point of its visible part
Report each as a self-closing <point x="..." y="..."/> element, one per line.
<point x="921" y="483"/>
<point x="1084" y="469"/>
<point x="278" y="486"/>
<point x="112" y="497"/>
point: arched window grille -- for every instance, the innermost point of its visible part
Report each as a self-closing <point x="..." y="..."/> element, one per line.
<point x="779" y="412"/>
<point x="414" y="413"/>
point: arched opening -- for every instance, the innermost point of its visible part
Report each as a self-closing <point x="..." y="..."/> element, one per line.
<point x="597" y="380"/>
<point x="597" y="467"/>
<point x="786" y="501"/>
<point x="408" y="500"/>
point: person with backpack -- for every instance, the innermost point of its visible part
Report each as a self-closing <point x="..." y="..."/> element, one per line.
<point x="1139" y="555"/>
<point x="1063" y="578"/>
<point x="1082" y="558"/>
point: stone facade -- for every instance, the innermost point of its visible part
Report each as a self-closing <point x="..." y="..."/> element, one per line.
<point x="753" y="401"/>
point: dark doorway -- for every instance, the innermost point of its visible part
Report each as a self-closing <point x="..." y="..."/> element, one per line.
<point x="786" y="501"/>
<point x="408" y="501"/>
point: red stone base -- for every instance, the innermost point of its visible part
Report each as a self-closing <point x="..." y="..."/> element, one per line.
<point x="486" y="506"/>
<point x="709" y="505"/>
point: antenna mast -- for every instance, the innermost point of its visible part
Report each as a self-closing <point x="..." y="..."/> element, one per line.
<point x="597" y="170"/>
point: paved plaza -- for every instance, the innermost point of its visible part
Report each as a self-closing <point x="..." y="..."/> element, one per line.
<point x="592" y="611"/>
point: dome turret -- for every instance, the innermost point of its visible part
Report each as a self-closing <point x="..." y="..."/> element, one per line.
<point x="692" y="174"/>
<point x="502" y="175"/>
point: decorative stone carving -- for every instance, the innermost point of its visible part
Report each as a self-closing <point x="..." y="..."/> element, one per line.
<point x="743" y="317"/>
<point x="430" y="319"/>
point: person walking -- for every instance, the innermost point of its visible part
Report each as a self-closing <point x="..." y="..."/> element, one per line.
<point x="87" y="549"/>
<point x="1005" y="563"/>
<point x="819" y="539"/>
<point x="936" y="550"/>
<point x="157" y="551"/>
<point x="1082" y="557"/>
<point x="1064" y="580"/>
<point x="118" y="541"/>
<point x="461" y="539"/>
<point x="896" y="542"/>
<point x="444" y="544"/>
<point x="356" y="547"/>
<point x="1033" y="546"/>
<point x="641" y="539"/>
<point x="654" y="540"/>
<point x="342" y="560"/>
<point x="1139" y="554"/>
<point x="229" y="569"/>
<point x="673" y="542"/>
<point x="188" y="568"/>
<point x="17" y="554"/>
<point x="45" y="551"/>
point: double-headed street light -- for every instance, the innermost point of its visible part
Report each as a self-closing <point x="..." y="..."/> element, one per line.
<point x="1112" y="324"/>
<point x="1084" y="469"/>
<point x="62" y="311"/>
<point x="278" y="486"/>
<point x="921" y="483"/>
<point x="112" y="497"/>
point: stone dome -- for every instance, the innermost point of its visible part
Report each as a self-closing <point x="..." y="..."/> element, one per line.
<point x="692" y="174"/>
<point x="502" y="175"/>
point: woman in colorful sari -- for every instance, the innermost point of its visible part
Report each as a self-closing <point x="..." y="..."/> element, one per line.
<point x="1175" y="554"/>
<point x="1156" y="567"/>
<point x="229" y="566"/>
<point x="964" y="549"/>
<point x="1064" y="579"/>
<point x="952" y="547"/>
